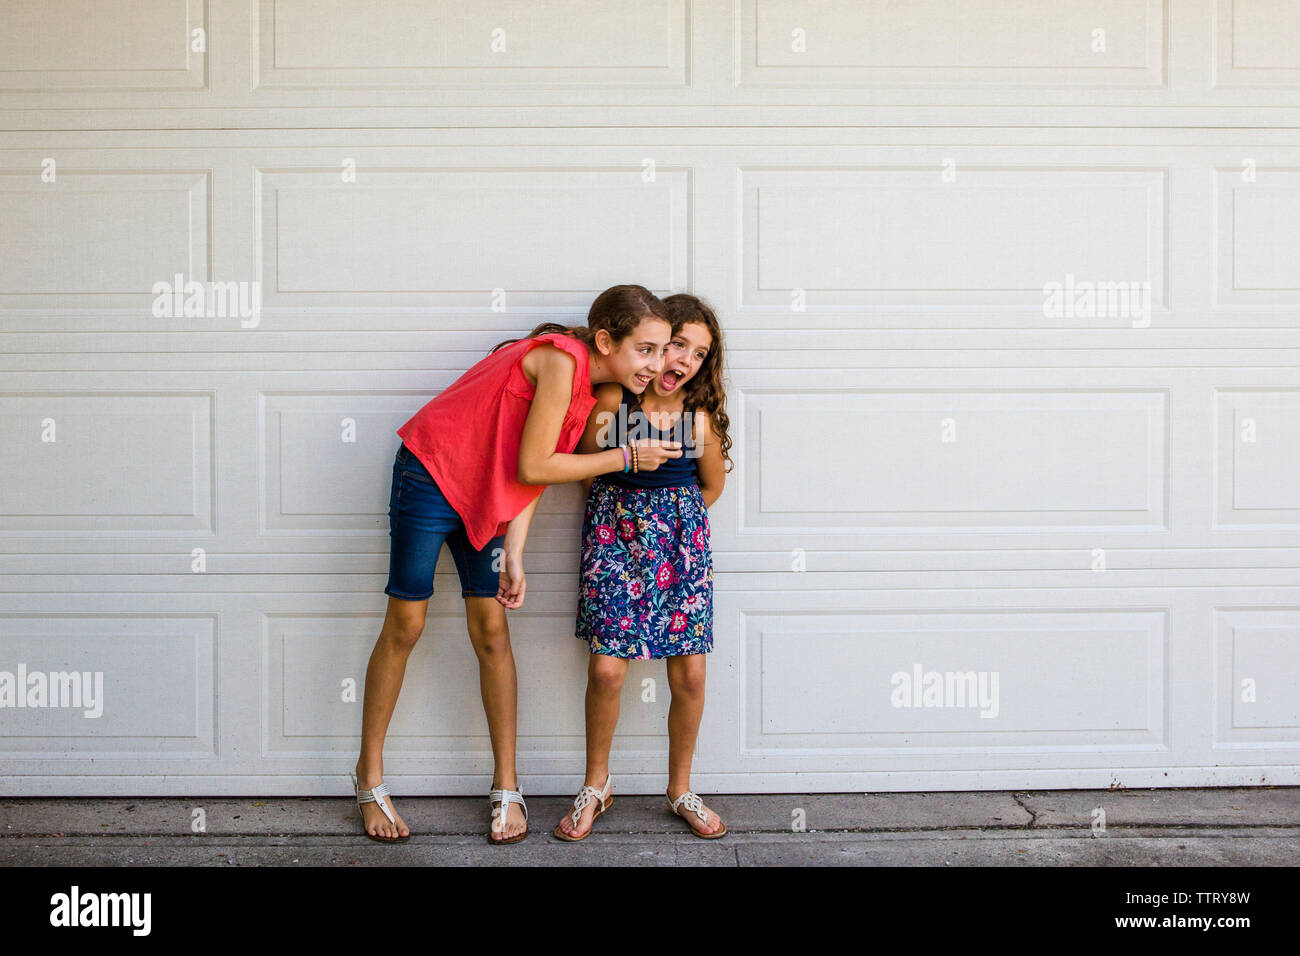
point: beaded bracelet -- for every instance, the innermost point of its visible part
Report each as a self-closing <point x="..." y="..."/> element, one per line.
<point x="636" y="460"/>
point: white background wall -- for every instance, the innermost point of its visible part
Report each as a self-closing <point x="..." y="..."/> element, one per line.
<point x="947" y="459"/>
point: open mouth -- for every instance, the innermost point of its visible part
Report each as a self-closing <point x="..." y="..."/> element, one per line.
<point x="670" y="380"/>
<point x="643" y="379"/>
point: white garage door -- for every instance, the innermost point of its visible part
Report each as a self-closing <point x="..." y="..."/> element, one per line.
<point x="1012" y="295"/>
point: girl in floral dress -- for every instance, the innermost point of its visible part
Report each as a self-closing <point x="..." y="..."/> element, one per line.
<point x="646" y="580"/>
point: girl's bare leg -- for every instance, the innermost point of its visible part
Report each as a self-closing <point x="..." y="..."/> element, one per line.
<point x="604" y="689"/>
<point x="686" y="682"/>
<point x="490" y="634"/>
<point x="403" y="625"/>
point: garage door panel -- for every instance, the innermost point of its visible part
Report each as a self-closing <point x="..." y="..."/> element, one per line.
<point x="66" y="45"/>
<point x="413" y="44"/>
<point x="1022" y="42"/>
<point x="950" y="459"/>
<point x="1256" y="240"/>
<point x="99" y="238"/>
<point x="1257" y="669"/>
<point x="87" y="684"/>
<point x="152" y="454"/>
<point x="1256" y="43"/>
<point x="450" y="238"/>
<point x="890" y="683"/>
<point x="927" y="245"/>
<point x="327" y="432"/>
<point x="1256" y="450"/>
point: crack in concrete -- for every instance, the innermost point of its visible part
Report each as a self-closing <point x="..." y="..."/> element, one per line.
<point x="1033" y="816"/>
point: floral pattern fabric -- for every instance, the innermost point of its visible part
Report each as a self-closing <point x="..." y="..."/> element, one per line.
<point x="645" y="589"/>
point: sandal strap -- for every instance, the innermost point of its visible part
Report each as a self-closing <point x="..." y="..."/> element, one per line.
<point x="504" y="797"/>
<point x="691" y="801"/>
<point x="586" y="795"/>
<point x="375" y="794"/>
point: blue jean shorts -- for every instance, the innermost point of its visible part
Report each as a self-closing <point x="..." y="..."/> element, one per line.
<point x="420" y="521"/>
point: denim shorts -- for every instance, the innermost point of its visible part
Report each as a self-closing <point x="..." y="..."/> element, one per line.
<point x="420" y="520"/>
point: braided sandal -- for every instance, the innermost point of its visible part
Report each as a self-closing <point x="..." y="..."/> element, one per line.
<point x="503" y="798"/>
<point x="692" y="802"/>
<point x="376" y="795"/>
<point x="586" y="795"/>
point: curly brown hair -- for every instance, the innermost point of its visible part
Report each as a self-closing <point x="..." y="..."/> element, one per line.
<point x="618" y="310"/>
<point x="705" y="390"/>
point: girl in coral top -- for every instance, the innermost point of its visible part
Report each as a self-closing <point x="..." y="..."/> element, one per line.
<point x="472" y="466"/>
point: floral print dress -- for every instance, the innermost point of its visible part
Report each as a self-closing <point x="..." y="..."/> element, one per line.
<point x="646" y="582"/>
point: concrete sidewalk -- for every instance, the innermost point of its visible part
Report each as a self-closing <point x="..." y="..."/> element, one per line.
<point x="1238" y="827"/>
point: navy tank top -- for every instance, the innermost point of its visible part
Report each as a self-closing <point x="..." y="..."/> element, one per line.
<point x="674" y="471"/>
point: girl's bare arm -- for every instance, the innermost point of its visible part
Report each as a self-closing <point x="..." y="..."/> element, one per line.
<point x="712" y="469"/>
<point x="539" y="462"/>
<point x="608" y="397"/>
<point x="517" y="530"/>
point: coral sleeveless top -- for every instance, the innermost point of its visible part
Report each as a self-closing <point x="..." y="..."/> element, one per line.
<point x="468" y="435"/>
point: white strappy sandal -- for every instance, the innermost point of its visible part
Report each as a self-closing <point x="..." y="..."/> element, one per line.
<point x="376" y="795"/>
<point x="693" y="803"/>
<point x="504" y="798"/>
<point x="586" y="795"/>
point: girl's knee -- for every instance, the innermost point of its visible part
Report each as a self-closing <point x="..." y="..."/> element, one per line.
<point x="606" y="673"/>
<point x="404" y="622"/>
<point x="403" y="640"/>
<point x="490" y="642"/>
<point x="488" y="630"/>
<point x="403" y="634"/>
<point x="686" y="675"/>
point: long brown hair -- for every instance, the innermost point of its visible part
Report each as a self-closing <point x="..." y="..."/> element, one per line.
<point x="705" y="390"/>
<point x="618" y="310"/>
